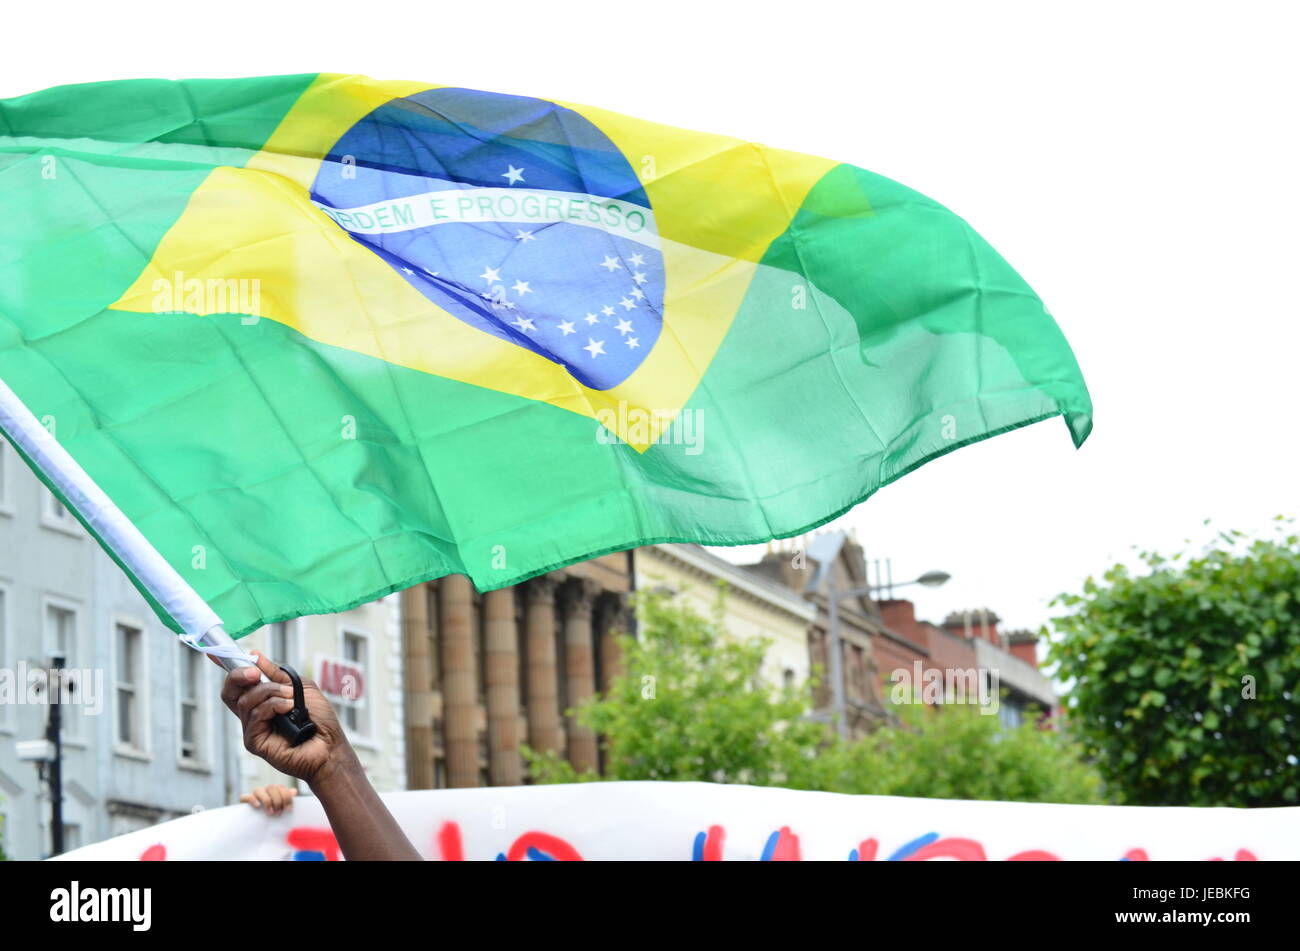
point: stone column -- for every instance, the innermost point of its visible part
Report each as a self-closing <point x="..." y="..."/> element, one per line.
<point x="613" y="626"/>
<point x="501" y="659"/>
<point x="418" y="675"/>
<point x="579" y="603"/>
<point x="543" y="704"/>
<point x="458" y="681"/>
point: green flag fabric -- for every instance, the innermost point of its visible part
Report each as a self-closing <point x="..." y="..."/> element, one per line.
<point x="323" y="337"/>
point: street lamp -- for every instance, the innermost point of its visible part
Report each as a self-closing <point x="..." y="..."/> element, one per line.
<point x="931" y="579"/>
<point x="47" y="753"/>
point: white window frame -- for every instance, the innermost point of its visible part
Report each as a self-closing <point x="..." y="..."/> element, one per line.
<point x="50" y="518"/>
<point x="145" y="750"/>
<point x="366" y="739"/>
<point x="202" y="715"/>
<point x="74" y="662"/>
<point x="65" y="603"/>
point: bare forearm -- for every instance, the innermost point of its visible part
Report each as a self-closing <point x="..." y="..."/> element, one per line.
<point x="362" y="824"/>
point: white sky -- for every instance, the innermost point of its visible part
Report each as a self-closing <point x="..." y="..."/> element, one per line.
<point x="1137" y="163"/>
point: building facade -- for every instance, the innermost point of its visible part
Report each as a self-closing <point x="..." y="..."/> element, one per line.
<point x="970" y="641"/>
<point x="145" y="735"/>
<point x="755" y="607"/>
<point x="820" y="568"/>
<point x="486" y="673"/>
<point x="1026" y="693"/>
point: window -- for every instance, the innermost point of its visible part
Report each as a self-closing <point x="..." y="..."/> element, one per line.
<point x="356" y="713"/>
<point x="130" y="681"/>
<point x="1010" y="716"/>
<point x="190" y="695"/>
<point x="71" y="836"/>
<point x="61" y="642"/>
<point x="54" y="514"/>
<point x="281" y="644"/>
<point x="61" y="633"/>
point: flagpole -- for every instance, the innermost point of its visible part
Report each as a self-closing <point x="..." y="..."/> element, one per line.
<point x="200" y="624"/>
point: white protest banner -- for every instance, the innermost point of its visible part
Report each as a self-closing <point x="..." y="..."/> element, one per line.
<point x="702" y="821"/>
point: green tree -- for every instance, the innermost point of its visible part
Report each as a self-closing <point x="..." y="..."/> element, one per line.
<point x="1186" y="676"/>
<point x="691" y="704"/>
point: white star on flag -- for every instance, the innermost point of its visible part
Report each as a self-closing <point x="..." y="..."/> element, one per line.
<point x="607" y="311"/>
<point x="593" y="319"/>
<point x="491" y="274"/>
<point x="624" y="326"/>
<point x="521" y="288"/>
<point x="523" y="323"/>
<point x="566" y="327"/>
<point x="513" y="175"/>
<point x="628" y="304"/>
<point x="594" y="347"/>
<point x="525" y="236"/>
<point x="636" y="260"/>
<point x="638" y="293"/>
<point x="639" y="277"/>
<point x="632" y="343"/>
<point x="611" y="264"/>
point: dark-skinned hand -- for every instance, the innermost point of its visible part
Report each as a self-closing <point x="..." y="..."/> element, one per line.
<point x="255" y="702"/>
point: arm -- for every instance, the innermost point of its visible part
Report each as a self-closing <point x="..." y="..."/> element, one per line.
<point x="362" y="824"/>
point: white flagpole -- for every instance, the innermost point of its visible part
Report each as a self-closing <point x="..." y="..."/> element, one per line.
<point x="202" y="627"/>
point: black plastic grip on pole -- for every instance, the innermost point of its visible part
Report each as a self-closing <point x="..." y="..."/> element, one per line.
<point x="296" y="725"/>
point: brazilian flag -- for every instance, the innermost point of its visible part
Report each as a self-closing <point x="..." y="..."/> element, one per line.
<point x="322" y="337"/>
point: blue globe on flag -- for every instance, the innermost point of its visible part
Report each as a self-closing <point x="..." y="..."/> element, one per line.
<point x="515" y="215"/>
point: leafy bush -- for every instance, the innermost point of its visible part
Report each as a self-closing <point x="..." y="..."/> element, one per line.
<point x="956" y="752"/>
<point x="1186" y="677"/>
